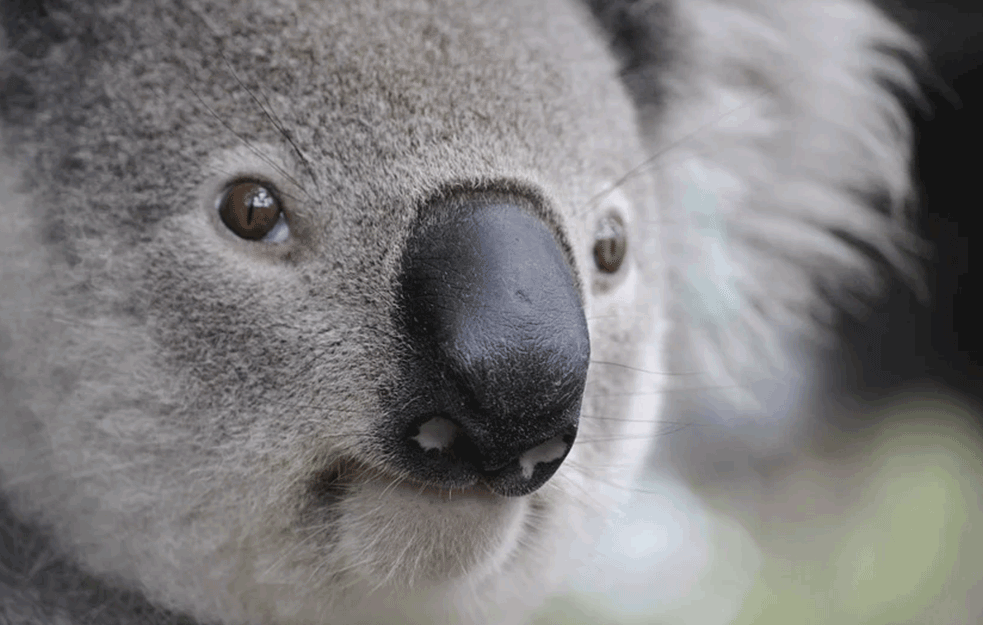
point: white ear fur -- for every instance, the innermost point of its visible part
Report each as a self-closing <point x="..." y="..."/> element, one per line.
<point x="780" y="133"/>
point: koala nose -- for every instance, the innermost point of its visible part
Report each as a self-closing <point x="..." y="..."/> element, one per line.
<point x="499" y="349"/>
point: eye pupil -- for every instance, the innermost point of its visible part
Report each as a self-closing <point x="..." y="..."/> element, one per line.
<point x="250" y="210"/>
<point x="610" y="244"/>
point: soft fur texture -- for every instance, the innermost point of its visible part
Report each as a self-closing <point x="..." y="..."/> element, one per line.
<point x="171" y="394"/>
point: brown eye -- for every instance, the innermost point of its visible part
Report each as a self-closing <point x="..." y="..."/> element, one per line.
<point x="250" y="210"/>
<point x="610" y="244"/>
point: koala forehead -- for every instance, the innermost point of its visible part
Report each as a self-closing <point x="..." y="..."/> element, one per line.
<point x="366" y="109"/>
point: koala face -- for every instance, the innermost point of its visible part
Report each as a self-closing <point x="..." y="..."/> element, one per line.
<point x="332" y="290"/>
<point x="343" y="312"/>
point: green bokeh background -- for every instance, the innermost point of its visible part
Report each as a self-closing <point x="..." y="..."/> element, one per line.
<point x="889" y="534"/>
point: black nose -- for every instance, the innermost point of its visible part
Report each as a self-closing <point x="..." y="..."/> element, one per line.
<point x="499" y="348"/>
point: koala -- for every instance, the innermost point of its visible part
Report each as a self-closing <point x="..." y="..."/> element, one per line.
<point x="357" y="312"/>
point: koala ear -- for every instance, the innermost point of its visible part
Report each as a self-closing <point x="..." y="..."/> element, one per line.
<point x="782" y="153"/>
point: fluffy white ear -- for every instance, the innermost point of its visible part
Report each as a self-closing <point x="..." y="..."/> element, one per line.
<point x="783" y="155"/>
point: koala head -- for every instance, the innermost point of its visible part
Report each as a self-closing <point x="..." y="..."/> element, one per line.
<point x="345" y="311"/>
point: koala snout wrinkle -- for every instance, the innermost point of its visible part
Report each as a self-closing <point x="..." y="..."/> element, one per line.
<point x="500" y="349"/>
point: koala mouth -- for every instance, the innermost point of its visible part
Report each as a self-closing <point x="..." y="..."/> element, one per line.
<point x="332" y="484"/>
<point x="435" y="492"/>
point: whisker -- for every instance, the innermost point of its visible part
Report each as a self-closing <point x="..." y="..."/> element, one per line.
<point x="640" y="370"/>
<point x="655" y="157"/>
<point x="278" y="125"/>
<point x="249" y="144"/>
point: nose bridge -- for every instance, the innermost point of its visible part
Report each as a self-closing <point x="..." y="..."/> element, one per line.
<point x="491" y="305"/>
<point x="489" y="279"/>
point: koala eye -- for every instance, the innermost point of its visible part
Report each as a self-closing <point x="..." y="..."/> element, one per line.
<point x="252" y="211"/>
<point x="610" y="244"/>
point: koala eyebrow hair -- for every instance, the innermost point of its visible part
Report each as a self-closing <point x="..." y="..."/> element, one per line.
<point x="245" y="140"/>
<point x="265" y="107"/>
<point x="270" y="115"/>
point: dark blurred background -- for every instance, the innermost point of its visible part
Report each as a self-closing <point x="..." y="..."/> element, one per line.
<point x="904" y="339"/>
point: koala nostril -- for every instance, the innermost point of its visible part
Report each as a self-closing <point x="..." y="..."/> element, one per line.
<point x="437" y="433"/>
<point x="447" y="456"/>
<point x="555" y="448"/>
<point x="498" y="348"/>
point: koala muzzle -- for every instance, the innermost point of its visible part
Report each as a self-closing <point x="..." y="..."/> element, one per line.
<point x="499" y="351"/>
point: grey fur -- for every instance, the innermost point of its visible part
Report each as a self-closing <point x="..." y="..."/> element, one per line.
<point x="170" y="393"/>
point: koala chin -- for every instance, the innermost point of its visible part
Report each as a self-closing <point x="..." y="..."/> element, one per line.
<point x="358" y="312"/>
